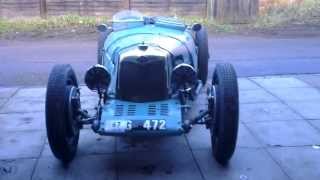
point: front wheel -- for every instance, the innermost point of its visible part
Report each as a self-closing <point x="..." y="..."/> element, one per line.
<point x="224" y="110"/>
<point x="62" y="112"/>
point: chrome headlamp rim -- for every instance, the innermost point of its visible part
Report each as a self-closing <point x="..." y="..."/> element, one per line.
<point x="97" y="78"/>
<point x="184" y="74"/>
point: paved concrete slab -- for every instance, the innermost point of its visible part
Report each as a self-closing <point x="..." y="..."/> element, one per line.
<point x="22" y="121"/>
<point x="85" y="91"/>
<point x="23" y="105"/>
<point x="280" y="82"/>
<point x="89" y="102"/>
<point x="157" y="165"/>
<point x="97" y="167"/>
<point x="274" y="111"/>
<point x="7" y="92"/>
<point x="246" y="84"/>
<point x="246" y="164"/>
<point x="308" y="109"/>
<point x="90" y="143"/>
<point x="297" y="94"/>
<point x="2" y="101"/>
<point x="256" y="96"/>
<point x="202" y="99"/>
<point x="151" y="144"/>
<point x="298" y="162"/>
<point x="285" y="133"/>
<point x="199" y="138"/>
<point x="14" y="169"/>
<point x="315" y="123"/>
<point x="247" y="139"/>
<point x="32" y="100"/>
<point x="196" y="108"/>
<point x="39" y="92"/>
<point x="265" y="121"/>
<point x="313" y="80"/>
<point x="21" y="144"/>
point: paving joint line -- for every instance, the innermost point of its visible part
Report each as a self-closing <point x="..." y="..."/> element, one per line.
<point x="241" y="147"/>
<point x="142" y="151"/>
<point x="24" y="131"/>
<point x="282" y="120"/>
<point x="8" y="99"/>
<point x="278" y="75"/>
<point x="316" y="128"/>
<point x="25" y="112"/>
<point x="285" y="103"/>
<point x="263" y="145"/>
<point x="116" y="158"/>
<point x="269" y="154"/>
<point x="282" y="101"/>
<point x="293" y="146"/>
<point x="194" y="158"/>
<point x="279" y="165"/>
<point x="20" y="158"/>
<point x="254" y="136"/>
<point x="38" y="159"/>
<point x="309" y="83"/>
<point x="260" y="102"/>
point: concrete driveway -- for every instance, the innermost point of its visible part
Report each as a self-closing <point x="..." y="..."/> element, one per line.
<point x="279" y="139"/>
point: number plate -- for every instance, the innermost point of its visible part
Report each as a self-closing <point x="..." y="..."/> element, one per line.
<point x="127" y="125"/>
<point x="118" y="125"/>
<point x="154" y="124"/>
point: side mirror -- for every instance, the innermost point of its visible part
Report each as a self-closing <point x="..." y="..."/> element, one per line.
<point x="102" y="27"/>
<point x="196" y="27"/>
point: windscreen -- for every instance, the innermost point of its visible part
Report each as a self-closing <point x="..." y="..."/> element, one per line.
<point x="127" y="15"/>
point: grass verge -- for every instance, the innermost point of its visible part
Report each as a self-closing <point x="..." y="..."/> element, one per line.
<point x="51" y="23"/>
<point x="18" y="25"/>
<point x="306" y="12"/>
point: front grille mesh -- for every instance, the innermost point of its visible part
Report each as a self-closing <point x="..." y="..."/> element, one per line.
<point x="131" y="110"/>
<point x="119" y="110"/>
<point x="152" y="110"/>
<point x="164" y="109"/>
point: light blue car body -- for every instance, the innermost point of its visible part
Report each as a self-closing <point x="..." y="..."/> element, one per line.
<point x="165" y="33"/>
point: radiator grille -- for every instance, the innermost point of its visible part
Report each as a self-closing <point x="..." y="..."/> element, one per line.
<point x="131" y="110"/>
<point x="164" y="109"/>
<point x="119" y="110"/>
<point x="152" y="110"/>
<point x="149" y="109"/>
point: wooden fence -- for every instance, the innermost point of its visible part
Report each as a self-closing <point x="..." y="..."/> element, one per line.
<point x="236" y="11"/>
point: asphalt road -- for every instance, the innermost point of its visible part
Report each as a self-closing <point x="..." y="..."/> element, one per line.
<point x="25" y="63"/>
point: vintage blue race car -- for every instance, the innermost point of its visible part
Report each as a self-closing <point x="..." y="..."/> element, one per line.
<point x="149" y="72"/>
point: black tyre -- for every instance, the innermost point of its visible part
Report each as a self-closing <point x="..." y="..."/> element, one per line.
<point x="224" y="130"/>
<point x="203" y="54"/>
<point x="101" y="39"/>
<point x="61" y="108"/>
